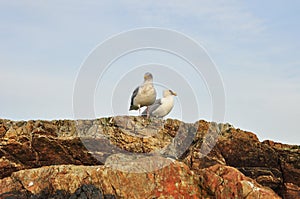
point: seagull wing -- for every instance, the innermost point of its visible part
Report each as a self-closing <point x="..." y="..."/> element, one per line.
<point x="134" y="94"/>
<point x="153" y="107"/>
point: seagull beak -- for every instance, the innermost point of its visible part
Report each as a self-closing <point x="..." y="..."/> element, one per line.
<point x="173" y="93"/>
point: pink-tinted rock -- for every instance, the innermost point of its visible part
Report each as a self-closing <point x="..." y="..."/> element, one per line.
<point x="175" y="180"/>
<point x="227" y="182"/>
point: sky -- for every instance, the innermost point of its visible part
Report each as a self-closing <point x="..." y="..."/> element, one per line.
<point x="254" y="45"/>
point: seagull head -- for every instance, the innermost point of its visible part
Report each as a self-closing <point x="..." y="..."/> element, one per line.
<point x="148" y="76"/>
<point x="169" y="93"/>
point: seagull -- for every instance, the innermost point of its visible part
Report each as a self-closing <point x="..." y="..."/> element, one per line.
<point x="144" y="95"/>
<point x="163" y="106"/>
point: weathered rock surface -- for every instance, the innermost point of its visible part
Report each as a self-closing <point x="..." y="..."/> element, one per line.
<point x="273" y="165"/>
<point x="171" y="181"/>
<point x="289" y="160"/>
<point x="212" y="160"/>
<point x="227" y="182"/>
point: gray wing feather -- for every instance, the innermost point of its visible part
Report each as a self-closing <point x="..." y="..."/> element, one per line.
<point x="134" y="94"/>
<point x="153" y="107"/>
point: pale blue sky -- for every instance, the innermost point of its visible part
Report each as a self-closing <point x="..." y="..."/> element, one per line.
<point x="254" y="44"/>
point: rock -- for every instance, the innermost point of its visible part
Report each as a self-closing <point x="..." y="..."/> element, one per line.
<point x="196" y="157"/>
<point x="291" y="191"/>
<point x="289" y="160"/>
<point x="131" y="147"/>
<point x="270" y="164"/>
<point x="174" y="180"/>
<point x="90" y="191"/>
<point x="257" y="160"/>
<point x="2" y="130"/>
<point x="83" y="192"/>
<point x="86" y="142"/>
<point x="227" y="182"/>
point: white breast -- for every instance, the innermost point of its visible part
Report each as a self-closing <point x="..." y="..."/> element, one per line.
<point x="166" y="106"/>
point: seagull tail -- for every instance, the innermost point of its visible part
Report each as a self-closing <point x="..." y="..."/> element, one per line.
<point x="132" y="107"/>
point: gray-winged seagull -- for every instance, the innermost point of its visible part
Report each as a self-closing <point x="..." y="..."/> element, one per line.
<point x="144" y="95"/>
<point x="163" y="106"/>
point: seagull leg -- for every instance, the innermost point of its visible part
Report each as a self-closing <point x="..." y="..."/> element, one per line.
<point x="148" y="112"/>
<point x="139" y="110"/>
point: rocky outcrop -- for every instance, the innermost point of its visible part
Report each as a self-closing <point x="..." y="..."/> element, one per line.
<point x="273" y="165"/>
<point x="289" y="161"/>
<point x="173" y="180"/>
<point x="133" y="157"/>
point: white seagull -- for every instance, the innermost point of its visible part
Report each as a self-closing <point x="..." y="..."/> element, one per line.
<point x="144" y="95"/>
<point x="163" y="106"/>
